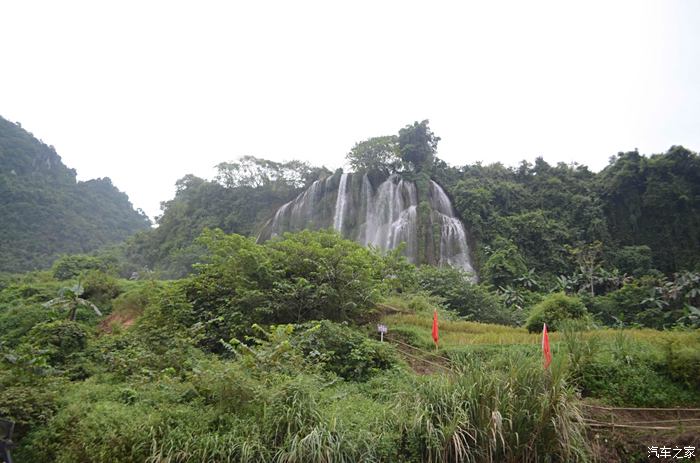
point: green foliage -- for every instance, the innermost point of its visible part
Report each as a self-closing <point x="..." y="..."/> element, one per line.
<point x="539" y="209"/>
<point x="479" y="416"/>
<point x="504" y="265"/>
<point x="69" y="299"/>
<point x="342" y="350"/>
<point x="218" y="412"/>
<point x="377" y="155"/>
<point x="243" y="197"/>
<point x="682" y="362"/>
<point x="58" y="339"/>
<point x="100" y="287"/>
<point x="626" y="372"/>
<point x="28" y="406"/>
<point x="305" y="276"/>
<point x="417" y="145"/>
<point x="633" y="260"/>
<point x="654" y="302"/>
<point x="313" y="392"/>
<point x="655" y="201"/>
<point x="16" y="321"/>
<point x="460" y="294"/>
<point x="553" y="310"/>
<point x="46" y="213"/>
<point x="72" y="266"/>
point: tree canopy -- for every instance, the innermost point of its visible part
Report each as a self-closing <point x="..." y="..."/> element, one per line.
<point x="418" y="145"/>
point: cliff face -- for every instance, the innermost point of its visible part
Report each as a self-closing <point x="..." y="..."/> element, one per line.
<point x="45" y="212"/>
<point x="380" y="212"/>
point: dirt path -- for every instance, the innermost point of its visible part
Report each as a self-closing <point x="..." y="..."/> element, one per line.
<point x="638" y="429"/>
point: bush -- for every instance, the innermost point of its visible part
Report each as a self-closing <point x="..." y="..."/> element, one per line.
<point x="460" y="294"/>
<point x="305" y="276"/>
<point x="100" y="287"/>
<point x="18" y="320"/>
<point x="27" y="406"/>
<point x="133" y="302"/>
<point x="504" y="265"/>
<point x="59" y="339"/>
<point x="683" y="363"/>
<point x="343" y="350"/>
<point x="630" y="384"/>
<point x="553" y="310"/>
<point x="71" y="266"/>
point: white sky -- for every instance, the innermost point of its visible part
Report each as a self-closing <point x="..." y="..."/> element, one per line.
<point x="145" y="92"/>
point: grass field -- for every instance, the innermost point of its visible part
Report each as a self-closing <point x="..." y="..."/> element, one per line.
<point x="456" y="333"/>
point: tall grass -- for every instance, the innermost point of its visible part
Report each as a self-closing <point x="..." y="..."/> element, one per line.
<point x="417" y="328"/>
<point x="508" y="411"/>
<point x="515" y="414"/>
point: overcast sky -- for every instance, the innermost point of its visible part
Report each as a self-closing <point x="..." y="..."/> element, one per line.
<point x="145" y="92"/>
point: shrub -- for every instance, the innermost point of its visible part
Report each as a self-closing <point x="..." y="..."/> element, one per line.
<point x="17" y="321"/>
<point x="100" y="287"/>
<point x="683" y="363"/>
<point x="305" y="276"/>
<point x="71" y="266"/>
<point x="460" y="294"/>
<point x="554" y="309"/>
<point x="28" y="406"/>
<point x="504" y="265"/>
<point x="344" y="350"/>
<point x="59" y="339"/>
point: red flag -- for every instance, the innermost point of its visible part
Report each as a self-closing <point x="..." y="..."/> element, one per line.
<point x="435" y="328"/>
<point x="545" y="347"/>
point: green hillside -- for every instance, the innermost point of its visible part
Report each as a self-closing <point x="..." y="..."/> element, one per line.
<point x="268" y="351"/>
<point x="46" y="212"/>
<point x="640" y="214"/>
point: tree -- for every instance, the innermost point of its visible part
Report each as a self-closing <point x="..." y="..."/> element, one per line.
<point x="69" y="298"/>
<point x="377" y="154"/>
<point x="417" y="145"/>
<point x="504" y="265"/>
<point x="588" y="257"/>
<point x="253" y="172"/>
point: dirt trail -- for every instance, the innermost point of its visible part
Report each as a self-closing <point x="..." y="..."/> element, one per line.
<point x="121" y="320"/>
<point x="637" y="429"/>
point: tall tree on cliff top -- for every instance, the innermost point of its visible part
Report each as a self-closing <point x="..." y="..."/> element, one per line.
<point x="376" y="154"/>
<point x="417" y="145"/>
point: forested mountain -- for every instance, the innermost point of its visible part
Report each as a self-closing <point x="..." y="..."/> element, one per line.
<point x="241" y="198"/>
<point x="639" y="213"/>
<point x="266" y="350"/>
<point x="46" y="212"/>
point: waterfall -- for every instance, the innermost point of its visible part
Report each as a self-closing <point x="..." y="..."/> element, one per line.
<point x="340" y="203"/>
<point x="454" y="249"/>
<point x="383" y="217"/>
<point x="392" y="216"/>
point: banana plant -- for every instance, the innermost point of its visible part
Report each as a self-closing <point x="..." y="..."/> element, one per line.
<point x="69" y="298"/>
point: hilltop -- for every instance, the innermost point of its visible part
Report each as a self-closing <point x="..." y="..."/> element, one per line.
<point x="46" y="212"/>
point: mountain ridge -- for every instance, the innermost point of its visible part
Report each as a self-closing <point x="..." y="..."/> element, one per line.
<point x="46" y="212"/>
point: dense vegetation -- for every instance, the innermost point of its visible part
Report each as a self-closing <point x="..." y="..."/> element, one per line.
<point x="267" y="352"/>
<point x="263" y="354"/>
<point x="242" y="197"/>
<point x="45" y="212"/>
<point x="627" y="239"/>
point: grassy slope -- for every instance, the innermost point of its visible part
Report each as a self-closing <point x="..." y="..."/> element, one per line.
<point x="459" y="333"/>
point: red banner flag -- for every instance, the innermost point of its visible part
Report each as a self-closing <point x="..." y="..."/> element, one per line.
<point x="545" y="347"/>
<point x="435" y="328"/>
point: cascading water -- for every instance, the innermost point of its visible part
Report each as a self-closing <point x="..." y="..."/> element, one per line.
<point x="454" y="249"/>
<point x="340" y="203"/>
<point x="383" y="217"/>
